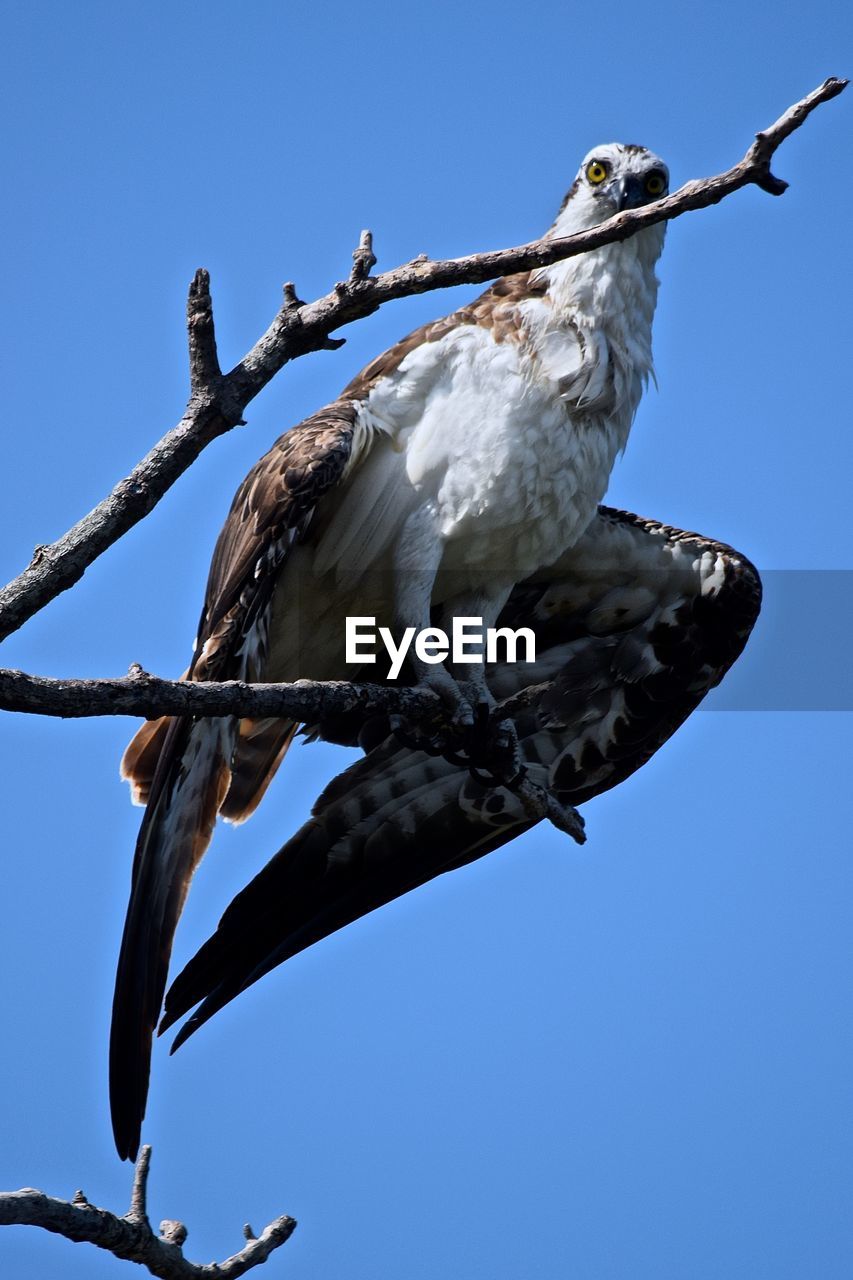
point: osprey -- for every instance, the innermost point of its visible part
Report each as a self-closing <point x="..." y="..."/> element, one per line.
<point x="463" y="462"/>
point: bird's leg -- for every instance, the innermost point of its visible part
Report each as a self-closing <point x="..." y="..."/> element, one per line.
<point x="416" y="560"/>
<point x="494" y="746"/>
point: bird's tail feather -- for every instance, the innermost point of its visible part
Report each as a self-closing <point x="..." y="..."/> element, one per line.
<point x="188" y="787"/>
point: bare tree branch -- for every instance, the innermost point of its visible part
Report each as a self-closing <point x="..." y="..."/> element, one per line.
<point x="131" y="1237"/>
<point x="218" y="401"/>
<point x="141" y="694"/>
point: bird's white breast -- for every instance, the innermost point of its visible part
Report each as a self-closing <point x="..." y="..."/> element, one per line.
<point x="513" y="441"/>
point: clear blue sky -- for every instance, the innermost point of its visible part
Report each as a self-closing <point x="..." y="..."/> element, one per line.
<point x="631" y="1060"/>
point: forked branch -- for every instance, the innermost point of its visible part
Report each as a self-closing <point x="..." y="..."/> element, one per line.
<point x="131" y="1236"/>
<point x="218" y="401"/>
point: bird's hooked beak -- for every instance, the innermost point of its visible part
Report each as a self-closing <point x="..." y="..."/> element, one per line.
<point x="629" y="193"/>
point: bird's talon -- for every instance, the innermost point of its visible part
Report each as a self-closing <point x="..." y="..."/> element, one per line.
<point x="482" y="714"/>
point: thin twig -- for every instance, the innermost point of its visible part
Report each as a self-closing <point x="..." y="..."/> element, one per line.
<point x="363" y="258"/>
<point x="201" y="336"/>
<point x="218" y="401"/>
<point x="138" y="1211"/>
<point x="131" y="1237"/>
<point x="538" y="803"/>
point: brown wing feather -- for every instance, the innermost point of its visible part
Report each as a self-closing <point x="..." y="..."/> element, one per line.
<point x="261" y="747"/>
<point x="633" y="628"/>
<point x="183" y="767"/>
<point x="496" y="309"/>
<point x="139" y="762"/>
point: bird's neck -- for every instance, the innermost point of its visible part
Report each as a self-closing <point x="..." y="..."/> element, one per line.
<point x="611" y="290"/>
<point x="604" y="280"/>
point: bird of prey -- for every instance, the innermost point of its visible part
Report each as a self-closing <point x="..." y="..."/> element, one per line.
<point x="465" y="460"/>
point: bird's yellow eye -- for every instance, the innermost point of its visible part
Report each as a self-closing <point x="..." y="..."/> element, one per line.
<point x="655" y="183"/>
<point x="597" y="171"/>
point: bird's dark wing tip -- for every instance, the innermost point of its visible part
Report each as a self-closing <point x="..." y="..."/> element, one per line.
<point x="191" y="1025"/>
<point x="127" y="1139"/>
<point x="168" y="1020"/>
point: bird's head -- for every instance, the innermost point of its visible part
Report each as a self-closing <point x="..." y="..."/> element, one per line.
<point x="612" y="177"/>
